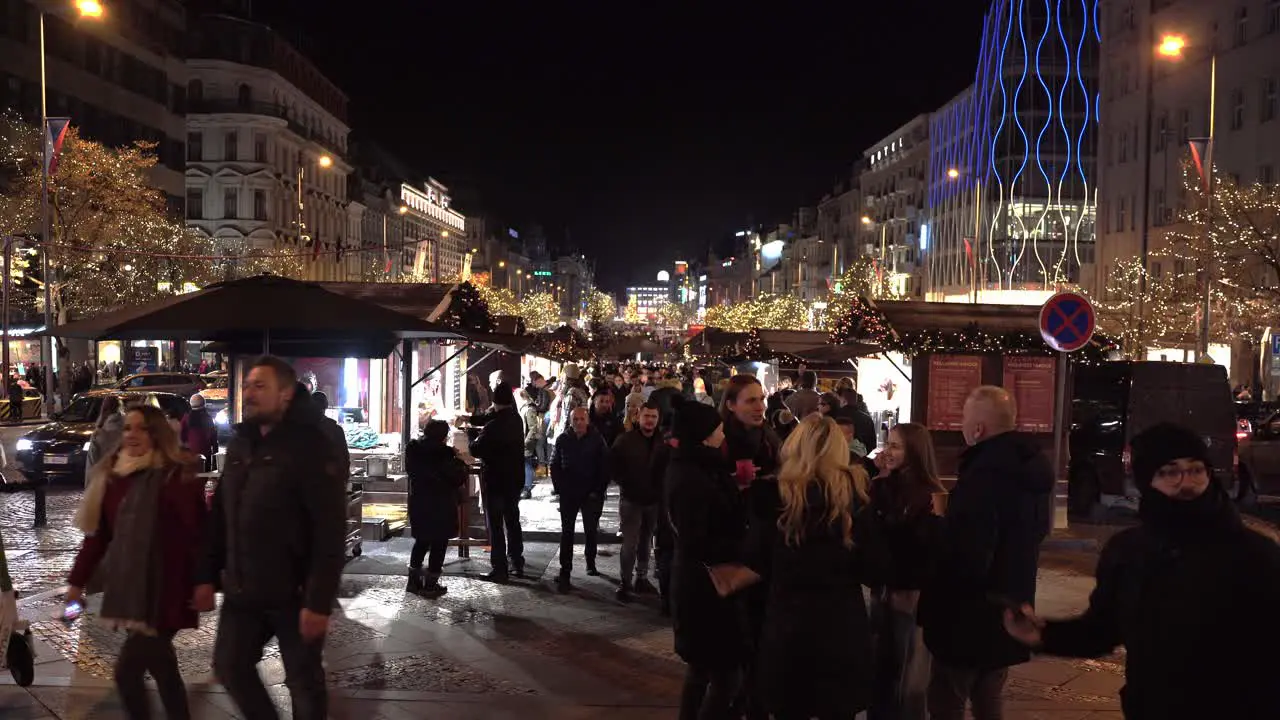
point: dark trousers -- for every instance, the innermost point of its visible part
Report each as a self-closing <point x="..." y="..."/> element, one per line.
<point x="709" y="693"/>
<point x="502" y="518"/>
<point x="435" y="561"/>
<point x="242" y="633"/>
<point x="153" y="654"/>
<point x="591" y="508"/>
<point x="951" y="688"/>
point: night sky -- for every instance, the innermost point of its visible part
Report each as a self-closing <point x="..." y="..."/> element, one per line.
<point x="636" y="133"/>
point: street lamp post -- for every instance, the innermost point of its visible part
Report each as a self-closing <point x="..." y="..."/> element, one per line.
<point x="1172" y="47"/>
<point x="87" y="9"/>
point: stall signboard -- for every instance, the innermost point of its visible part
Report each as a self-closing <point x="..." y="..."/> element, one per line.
<point x="142" y="359"/>
<point x="1030" y="380"/>
<point x="951" y="379"/>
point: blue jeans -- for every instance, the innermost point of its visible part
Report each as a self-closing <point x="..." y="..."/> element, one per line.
<point x="530" y="473"/>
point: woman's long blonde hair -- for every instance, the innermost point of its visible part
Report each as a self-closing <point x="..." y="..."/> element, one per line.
<point x="164" y="441"/>
<point x="816" y="452"/>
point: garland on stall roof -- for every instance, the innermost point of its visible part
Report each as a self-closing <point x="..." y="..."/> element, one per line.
<point x="862" y="322"/>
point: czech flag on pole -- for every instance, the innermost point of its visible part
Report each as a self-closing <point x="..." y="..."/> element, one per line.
<point x="54" y="135"/>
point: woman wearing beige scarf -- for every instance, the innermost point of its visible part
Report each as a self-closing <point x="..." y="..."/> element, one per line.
<point x="143" y="515"/>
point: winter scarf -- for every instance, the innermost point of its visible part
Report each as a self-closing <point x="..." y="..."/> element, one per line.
<point x="131" y="592"/>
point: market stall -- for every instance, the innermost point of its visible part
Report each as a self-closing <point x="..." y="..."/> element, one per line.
<point x="358" y="348"/>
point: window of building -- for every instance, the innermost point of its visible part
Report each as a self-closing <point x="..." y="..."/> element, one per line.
<point x="1120" y="215"/>
<point x="1133" y="212"/>
<point x="195" y="91"/>
<point x="230" y="146"/>
<point x="230" y="203"/>
<point x="259" y="204"/>
<point x="1273" y="16"/>
<point x="195" y="146"/>
<point x="1266" y="174"/>
<point x="195" y="203"/>
<point x="1268" y="100"/>
<point x="1184" y="126"/>
<point x="1161" y="138"/>
<point x="1124" y="146"/>
<point x="1241" y="34"/>
<point x="1237" y="109"/>
<point x="260" y="148"/>
<point x="1161" y="210"/>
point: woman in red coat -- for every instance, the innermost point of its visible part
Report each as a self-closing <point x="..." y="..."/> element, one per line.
<point x="143" y="514"/>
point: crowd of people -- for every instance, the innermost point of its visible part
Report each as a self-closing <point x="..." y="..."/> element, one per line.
<point x="803" y="579"/>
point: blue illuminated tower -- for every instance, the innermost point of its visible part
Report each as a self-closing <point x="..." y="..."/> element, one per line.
<point x="1013" y="195"/>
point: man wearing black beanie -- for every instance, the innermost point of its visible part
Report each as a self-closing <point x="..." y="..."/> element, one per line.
<point x="1191" y="593"/>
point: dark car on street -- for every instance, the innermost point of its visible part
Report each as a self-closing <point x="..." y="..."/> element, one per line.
<point x="1113" y="401"/>
<point x="57" y="451"/>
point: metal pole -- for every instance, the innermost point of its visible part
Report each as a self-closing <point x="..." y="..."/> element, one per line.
<point x="1061" y="481"/>
<point x="47" y="342"/>
<point x="1146" y="179"/>
<point x="8" y="249"/>
<point x="1208" y="225"/>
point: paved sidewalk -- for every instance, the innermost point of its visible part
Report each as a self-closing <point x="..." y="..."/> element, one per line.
<point x="481" y="651"/>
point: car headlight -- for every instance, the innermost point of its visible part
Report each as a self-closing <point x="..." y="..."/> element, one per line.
<point x="221" y="417"/>
<point x="23" y="444"/>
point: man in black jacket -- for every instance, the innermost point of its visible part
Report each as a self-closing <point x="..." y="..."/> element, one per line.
<point x="276" y="543"/>
<point x="603" y="418"/>
<point x="500" y="446"/>
<point x="1190" y="593"/>
<point x="997" y="516"/>
<point x="632" y="459"/>
<point x="580" y="475"/>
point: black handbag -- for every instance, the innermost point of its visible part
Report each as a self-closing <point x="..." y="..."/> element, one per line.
<point x="21" y="658"/>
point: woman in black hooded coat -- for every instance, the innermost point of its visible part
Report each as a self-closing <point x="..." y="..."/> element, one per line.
<point x="436" y="478"/>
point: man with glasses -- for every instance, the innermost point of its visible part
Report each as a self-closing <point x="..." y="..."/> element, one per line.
<point x="1191" y="593"/>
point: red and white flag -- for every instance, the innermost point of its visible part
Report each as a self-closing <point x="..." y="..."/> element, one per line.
<point x="55" y="134"/>
<point x="1202" y="156"/>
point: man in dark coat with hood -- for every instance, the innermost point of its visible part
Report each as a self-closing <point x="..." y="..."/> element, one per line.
<point x="1190" y="593"/>
<point x="500" y="446"/>
<point x="580" y="475"/>
<point x="997" y="516"/>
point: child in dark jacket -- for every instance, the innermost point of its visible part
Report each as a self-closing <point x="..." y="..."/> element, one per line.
<point x="436" y="478"/>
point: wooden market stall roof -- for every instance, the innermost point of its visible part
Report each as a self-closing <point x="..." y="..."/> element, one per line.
<point x="906" y="316"/>
<point x="427" y="301"/>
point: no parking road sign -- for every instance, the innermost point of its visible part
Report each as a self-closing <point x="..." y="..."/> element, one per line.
<point x="1067" y="322"/>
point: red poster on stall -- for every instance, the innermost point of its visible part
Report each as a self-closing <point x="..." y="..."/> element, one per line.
<point x="951" y="379"/>
<point x="1030" y="380"/>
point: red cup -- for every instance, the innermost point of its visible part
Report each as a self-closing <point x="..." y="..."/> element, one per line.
<point x="745" y="472"/>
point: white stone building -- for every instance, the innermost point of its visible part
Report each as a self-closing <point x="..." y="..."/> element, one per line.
<point x="263" y="122"/>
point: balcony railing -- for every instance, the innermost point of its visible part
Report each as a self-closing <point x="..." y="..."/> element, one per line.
<point x="211" y="106"/>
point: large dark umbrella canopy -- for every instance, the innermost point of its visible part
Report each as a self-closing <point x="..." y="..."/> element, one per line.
<point x="245" y="314"/>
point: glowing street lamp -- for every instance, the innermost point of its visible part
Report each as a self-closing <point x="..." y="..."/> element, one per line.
<point x="89" y="8"/>
<point x="325" y="161"/>
<point x="866" y="220"/>
<point x="1171" y="46"/>
<point x="953" y="173"/>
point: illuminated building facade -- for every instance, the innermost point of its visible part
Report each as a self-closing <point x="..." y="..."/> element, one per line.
<point x="1012" y="197"/>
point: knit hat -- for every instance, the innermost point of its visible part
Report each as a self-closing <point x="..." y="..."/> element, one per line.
<point x="503" y="395"/>
<point x="572" y="371"/>
<point x="1160" y="445"/>
<point x="693" y="421"/>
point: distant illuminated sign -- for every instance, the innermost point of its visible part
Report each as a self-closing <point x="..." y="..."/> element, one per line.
<point x="542" y="273"/>
<point x="924" y="238"/>
<point x="664" y="276"/>
<point x="772" y="250"/>
<point x="512" y="232"/>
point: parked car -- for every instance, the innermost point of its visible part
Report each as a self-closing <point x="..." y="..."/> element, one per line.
<point x="1259" y="469"/>
<point x="1114" y="401"/>
<point x="184" y="384"/>
<point x="56" y="451"/>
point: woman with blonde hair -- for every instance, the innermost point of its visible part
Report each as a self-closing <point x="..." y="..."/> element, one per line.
<point x="814" y="655"/>
<point x="143" y="514"/>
